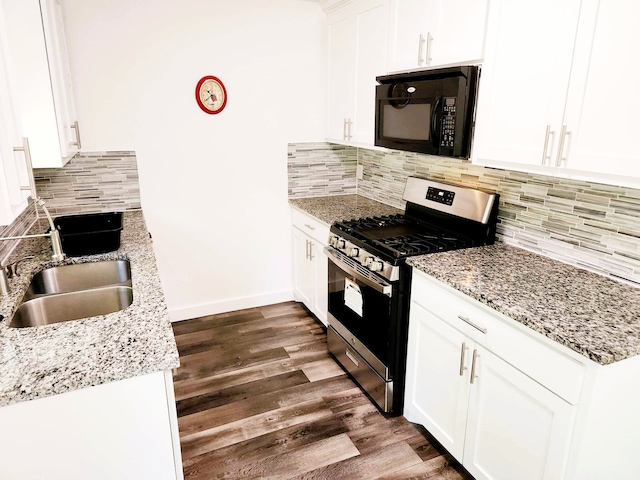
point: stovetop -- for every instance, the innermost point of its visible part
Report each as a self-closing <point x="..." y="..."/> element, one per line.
<point x="397" y="236"/>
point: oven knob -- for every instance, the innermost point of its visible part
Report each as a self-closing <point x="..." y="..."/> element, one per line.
<point x="354" y="252"/>
<point x="333" y="241"/>
<point x="341" y="244"/>
<point x="376" y="266"/>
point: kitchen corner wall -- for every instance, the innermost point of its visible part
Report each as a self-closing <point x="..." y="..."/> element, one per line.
<point x="593" y="226"/>
<point x="91" y="183"/>
<point x="320" y="169"/>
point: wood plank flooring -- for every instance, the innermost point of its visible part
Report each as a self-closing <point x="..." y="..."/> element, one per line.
<point x="258" y="396"/>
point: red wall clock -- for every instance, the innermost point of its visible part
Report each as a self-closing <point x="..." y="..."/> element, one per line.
<point x="211" y="94"/>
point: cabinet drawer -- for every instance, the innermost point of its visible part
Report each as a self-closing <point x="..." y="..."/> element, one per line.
<point x="310" y="225"/>
<point x="525" y="349"/>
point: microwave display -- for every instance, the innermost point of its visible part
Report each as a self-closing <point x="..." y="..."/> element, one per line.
<point x="428" y="112"/>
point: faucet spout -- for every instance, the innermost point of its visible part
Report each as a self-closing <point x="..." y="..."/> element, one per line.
<point x="53" y="234"/>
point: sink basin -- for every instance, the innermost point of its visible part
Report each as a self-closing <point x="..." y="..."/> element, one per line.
<point x="80" y="276"/>
<point x="63" y="307"/>
<point x="71" y="292"/>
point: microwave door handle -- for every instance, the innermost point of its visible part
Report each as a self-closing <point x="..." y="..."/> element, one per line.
<point x="435" y="134"/>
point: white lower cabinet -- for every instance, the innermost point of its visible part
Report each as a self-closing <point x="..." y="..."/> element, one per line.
<point x="126" y="430"/>
<point x="494" y="419"/>
<point x="310" y="267"/>
<point x="470" y="384"/>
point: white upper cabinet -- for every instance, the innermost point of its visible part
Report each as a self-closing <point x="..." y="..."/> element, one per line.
<point x="43" y="87"/>
<point x="430" y="33"/>
<point x="601" y="121"/>
<point x="549" y="100"/>
<point x="524" y="81"/>
<point x="14" y="173"/>
<point x="356" y="42"/>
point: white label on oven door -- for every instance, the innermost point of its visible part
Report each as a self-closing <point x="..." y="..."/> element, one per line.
<point x="352" y="296"/>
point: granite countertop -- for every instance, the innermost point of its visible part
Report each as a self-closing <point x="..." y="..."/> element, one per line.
<point x="342" y="207"/>
<point x="586" y="312"/>
<point x="47" y="360"/>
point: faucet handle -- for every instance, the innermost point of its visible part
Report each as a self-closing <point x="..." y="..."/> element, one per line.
<point x="12" y="268"/>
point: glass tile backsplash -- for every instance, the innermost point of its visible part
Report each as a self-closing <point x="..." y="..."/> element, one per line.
<point x="590" y="225"/>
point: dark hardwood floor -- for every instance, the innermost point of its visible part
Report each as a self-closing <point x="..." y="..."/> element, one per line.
<point x="258" y="396"/>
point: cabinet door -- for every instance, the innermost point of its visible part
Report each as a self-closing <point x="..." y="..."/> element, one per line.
<point x="53" y="28"/>
<point x="516" y="428"/>
<point x="303" y="269"/>
<point x="38" y="87"/>
<point x="408" y="27"/>
<point x="14" y="173"/>
<point x="457" y="30"/>
<point x="371" y="24"/>
<point x="341" y="74"/>
<point x="437" y="382"/>
<point x="524" y="81"/>
<point x="321" y="268"/>
<point x="603" y="103"/>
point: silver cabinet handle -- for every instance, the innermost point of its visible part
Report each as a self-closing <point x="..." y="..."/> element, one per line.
<point x="309" y="226"/>
<point x="429" y="45"/>
<point x="420" y="47"/>
<point x="27" y="157"/>
<point x="477" y="327"/>
<point x="310" y="250"/>
<point x="78" y="143"/>
<point x="546" y="156"/>
<point x="564" y="133"/>
<point x="476" y="355"/>
<point x="349" y="123"/>
<point x="463" y="350"/>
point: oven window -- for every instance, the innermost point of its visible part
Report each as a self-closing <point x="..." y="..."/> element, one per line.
<point x="370" y="320"/>
<point x="408" y="122"/>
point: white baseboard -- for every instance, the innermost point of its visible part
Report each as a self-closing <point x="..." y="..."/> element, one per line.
<point x="230" y="305"/>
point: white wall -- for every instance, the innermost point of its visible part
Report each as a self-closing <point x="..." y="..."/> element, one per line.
<point x="214" y="187"/>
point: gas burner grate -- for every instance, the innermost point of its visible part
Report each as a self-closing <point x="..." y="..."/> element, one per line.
<point x="420" y="244"/>
<point x="372" y="222"/>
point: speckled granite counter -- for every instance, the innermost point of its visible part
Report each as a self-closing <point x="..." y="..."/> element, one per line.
<point x="593" y="315"/>
<point x="47" y="360"/>
<point x="342" y="207"/>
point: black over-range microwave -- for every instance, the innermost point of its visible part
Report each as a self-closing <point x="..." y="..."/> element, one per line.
<point x="431" y="111"/>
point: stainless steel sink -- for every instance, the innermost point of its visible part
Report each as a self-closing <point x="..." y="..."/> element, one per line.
<point x="80" y="276"/>
<point x="71" y="292"/>
<point x="63" y="307"/>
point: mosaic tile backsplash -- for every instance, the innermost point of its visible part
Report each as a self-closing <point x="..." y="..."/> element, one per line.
<point x="593" y="226"/>
<point x="321" y="169"/>
<point x="91" y="183"/>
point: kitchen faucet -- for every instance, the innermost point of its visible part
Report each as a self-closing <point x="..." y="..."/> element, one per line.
<point x="6" y="272"/>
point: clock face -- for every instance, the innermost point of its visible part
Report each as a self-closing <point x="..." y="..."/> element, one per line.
<point x="211" y="94"/>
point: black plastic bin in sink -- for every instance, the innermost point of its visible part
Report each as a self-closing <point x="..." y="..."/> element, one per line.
<point x="90" y="233"/>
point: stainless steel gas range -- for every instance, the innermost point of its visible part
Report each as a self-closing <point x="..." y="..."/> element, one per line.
<point x="370" y="283"/>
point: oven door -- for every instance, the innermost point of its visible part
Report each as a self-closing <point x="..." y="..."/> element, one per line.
<point x="360" y="310"/>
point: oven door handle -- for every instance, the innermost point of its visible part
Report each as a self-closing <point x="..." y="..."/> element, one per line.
<point x="377" y="285"/>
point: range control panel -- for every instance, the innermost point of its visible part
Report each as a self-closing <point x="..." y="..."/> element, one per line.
<point x="440" y="196"/>
<point x="448" y="122"/>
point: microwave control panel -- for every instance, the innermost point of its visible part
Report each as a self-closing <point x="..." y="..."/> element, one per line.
<point x="448" y="122"/>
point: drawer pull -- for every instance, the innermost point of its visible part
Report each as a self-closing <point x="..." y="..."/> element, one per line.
<point x="352" y="358"/>
<point x="309" y="226"/>
<point x="462" y="352"/>
<point x="473" y="366"/>
<point x="477" y="327"/>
